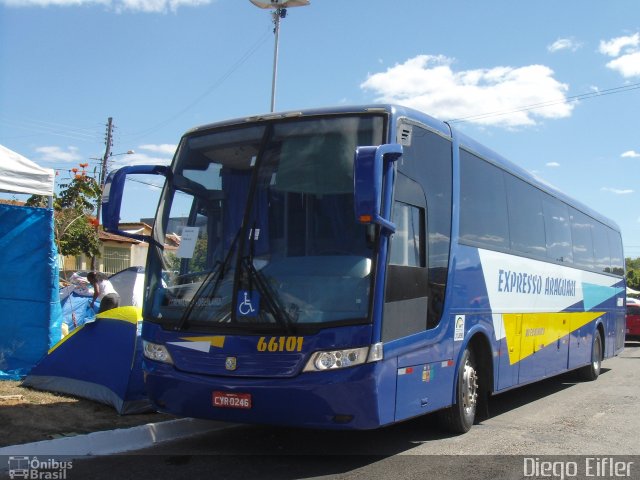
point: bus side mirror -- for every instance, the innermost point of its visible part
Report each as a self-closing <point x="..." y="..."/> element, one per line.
<point x="112" y="196"/>
<point x="372" y="179"/>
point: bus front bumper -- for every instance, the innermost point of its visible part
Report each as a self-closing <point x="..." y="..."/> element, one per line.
<point x="350" y="398"/>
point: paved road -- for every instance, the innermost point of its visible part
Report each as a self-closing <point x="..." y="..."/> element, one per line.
<point x="560" y="416"/>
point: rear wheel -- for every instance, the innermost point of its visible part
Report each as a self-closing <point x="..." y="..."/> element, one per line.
<point x="592" y="371"/>
<point x="459" y="417"/>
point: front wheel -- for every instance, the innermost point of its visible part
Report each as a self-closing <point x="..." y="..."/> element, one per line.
<point x="592" y="371"/>
<point x="459" y="418"/>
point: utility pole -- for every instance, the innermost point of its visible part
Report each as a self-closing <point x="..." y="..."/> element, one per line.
<point x="103" y="170"/>
<point x="105" y="158"/>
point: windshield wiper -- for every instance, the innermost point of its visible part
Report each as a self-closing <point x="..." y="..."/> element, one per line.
<point x="217" y="273"/>
<point x="187" y="312"/>
<point x="270" y="297"/>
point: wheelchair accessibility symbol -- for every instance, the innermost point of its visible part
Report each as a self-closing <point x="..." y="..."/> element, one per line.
<point x="248" y="304"/>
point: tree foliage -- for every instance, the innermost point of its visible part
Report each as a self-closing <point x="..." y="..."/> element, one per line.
<point x="75" y="227"/>
<point x="633" y="273"/>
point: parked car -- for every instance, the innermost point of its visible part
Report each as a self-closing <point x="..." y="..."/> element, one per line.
<point x="633" y="318"/>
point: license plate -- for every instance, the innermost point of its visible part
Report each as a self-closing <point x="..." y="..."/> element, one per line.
<point x="231" y="400"/>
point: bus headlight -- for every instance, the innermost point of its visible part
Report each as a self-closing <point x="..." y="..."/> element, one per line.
<point x="334" y="359"/>
<point x="156" y="352"/>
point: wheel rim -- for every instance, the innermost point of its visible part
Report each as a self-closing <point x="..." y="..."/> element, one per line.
<point x="469" y="388"/>
<point x="597" y="355"/>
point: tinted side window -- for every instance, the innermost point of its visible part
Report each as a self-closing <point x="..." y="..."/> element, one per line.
<point x="526" y="221"/>
<point x="407" y="291"/>
<point x="427" y="159"/>
<point x="407" y="244"/>
<point x="617" y="256"/>
<point x="558" y="230"/>
<point x="601" y="255"/>
<point x="582" y="240"/>
<point x="483" y="208"/>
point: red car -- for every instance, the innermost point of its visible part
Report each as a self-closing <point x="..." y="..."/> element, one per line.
<point x="633" y="318"/>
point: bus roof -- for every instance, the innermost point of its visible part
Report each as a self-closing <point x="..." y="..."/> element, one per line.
<point x="398" y="112"/>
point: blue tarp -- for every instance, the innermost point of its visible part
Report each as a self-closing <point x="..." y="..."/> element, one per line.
<point x="76" y="310"/>
<point x="30" y="312"/>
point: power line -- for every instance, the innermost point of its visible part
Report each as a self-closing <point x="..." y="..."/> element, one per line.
<point x="143" y="182"/>
<point x="535" y="106"/>
<point x="254" y="48"/>
<point x="51" y="128"/>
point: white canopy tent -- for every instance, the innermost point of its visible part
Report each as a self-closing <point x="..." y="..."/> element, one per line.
<point x="18" y="174"/>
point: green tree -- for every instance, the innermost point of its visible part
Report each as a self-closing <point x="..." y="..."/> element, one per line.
<point x="75" y="227"/>
<point x="633" y="273"/>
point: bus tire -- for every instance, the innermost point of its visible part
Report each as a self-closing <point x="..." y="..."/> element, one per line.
<point x="592" y="371"/>
<point x="460" y="416"/>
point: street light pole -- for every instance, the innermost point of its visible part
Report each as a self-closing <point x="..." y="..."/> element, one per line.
<point x="277" y="15"/>
<point x="280" y="11"/>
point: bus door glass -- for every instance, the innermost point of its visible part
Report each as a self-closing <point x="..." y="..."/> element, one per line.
<point x="406" y="296"/>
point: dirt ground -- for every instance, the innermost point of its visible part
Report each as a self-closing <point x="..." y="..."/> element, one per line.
<point x="28" y="415"/>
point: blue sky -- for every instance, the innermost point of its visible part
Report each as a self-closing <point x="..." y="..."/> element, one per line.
<point x="160" y="67"/>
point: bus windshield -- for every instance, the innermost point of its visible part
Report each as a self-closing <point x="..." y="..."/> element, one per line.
<point x="259" y="230"/>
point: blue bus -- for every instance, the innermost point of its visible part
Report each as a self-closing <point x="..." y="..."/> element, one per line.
<point x="355" y="267"/>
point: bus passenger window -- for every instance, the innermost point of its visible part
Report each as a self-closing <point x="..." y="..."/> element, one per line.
<point x="483" y="209"/>
<point x="601" y="254"/>
<point x="582" y="240"/>
<point x="617" y="256"/>
<point x="558" y="230"/>
<point x="526" y="222"/>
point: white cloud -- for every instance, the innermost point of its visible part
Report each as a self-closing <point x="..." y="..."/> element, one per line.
<point x="630" y="154"/>
<point x="56" y="154"/>
<point x="617" y="191"/>
<point x="156" y="6"/>
<point x="552" y="164"/>
<point x="627" y="51"/>
<point x="140" y="159"/>
<point x="430" y="84"/>
<point x="119" y="6"/>
<point x="160" y="154"/>
<point x="166" y="148"/>
<point x="55" y="3"/>
<point x="564" y="44"/>
<point x="616" y="45"/>
<point x="627" y="65"/>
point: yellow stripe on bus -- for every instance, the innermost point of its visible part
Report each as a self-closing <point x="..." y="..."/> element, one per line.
<point x="526" y="333"/>
<point x="215" y="341"/>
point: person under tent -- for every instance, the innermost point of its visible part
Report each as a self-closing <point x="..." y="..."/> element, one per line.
<point x="103" y="292"/>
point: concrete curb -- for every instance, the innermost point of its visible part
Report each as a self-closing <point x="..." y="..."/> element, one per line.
<point x="115" y="441"/>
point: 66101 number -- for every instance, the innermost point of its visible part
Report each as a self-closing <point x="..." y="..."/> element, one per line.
<point x="280" y="344"/>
